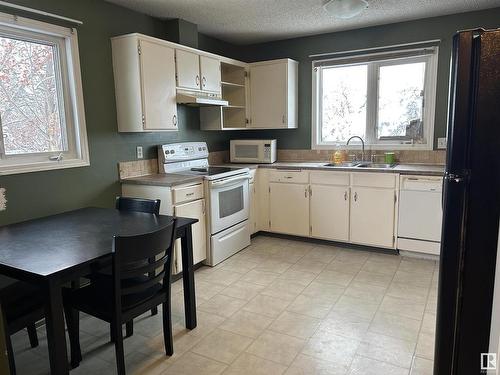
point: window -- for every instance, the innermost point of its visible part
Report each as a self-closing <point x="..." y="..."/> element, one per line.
<point x="386" y="98"/>
<point x="42" y="123"/>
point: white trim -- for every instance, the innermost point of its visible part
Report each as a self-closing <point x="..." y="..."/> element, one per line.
<point x="40" y="12"/>
<point x="370" y="138"/>
<point x="376" y="48"/>
<point x="66" y="40"/>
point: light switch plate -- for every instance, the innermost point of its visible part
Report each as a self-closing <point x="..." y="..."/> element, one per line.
<point x="139" y="153"/>
<point x="3" y="200"/>
<point x="442" y="143"/>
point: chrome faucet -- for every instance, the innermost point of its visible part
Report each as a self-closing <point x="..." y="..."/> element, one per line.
<point x="362" y="145"/>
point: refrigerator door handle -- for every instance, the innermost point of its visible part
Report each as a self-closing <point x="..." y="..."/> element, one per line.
<point x="453" y="177"/>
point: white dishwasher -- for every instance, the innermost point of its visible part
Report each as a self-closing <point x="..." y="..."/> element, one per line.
<point x="420" y="214"/>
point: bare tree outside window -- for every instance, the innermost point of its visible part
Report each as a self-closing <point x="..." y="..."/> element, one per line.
<point x="344" y="102"/>
<point x="30" y="106"/>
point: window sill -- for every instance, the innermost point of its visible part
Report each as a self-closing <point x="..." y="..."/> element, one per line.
<point x="381" y="147"/>
<point x="42" y="166"/>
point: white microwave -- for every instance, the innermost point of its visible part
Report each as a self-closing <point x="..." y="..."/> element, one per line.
<point x="253" y="151"/>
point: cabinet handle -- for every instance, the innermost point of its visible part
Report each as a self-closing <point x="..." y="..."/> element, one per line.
<point x="305" y="192"/>
<point x="355" y="197"/>
<point x="204" y="82"/>
<point x="283" y="119"/>
<point x="197" y="81"/>
<point x="174" y="120"/>
<point x="345" y="195"/>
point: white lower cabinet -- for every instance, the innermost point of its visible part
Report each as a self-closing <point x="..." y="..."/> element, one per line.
<point x="372" y="216"/>
<point x="252" y="202"/>
<point x="289" y="208"/>
<point x="193" y="210"/>
<point x="330" y="212"/>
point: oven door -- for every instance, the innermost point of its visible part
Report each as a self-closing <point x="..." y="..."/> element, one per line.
<point x="228" y="202"/>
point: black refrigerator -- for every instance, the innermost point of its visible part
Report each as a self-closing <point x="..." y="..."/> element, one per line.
<point x="471" y="205"/>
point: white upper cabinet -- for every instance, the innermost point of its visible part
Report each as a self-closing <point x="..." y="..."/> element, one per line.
<point x="188" y="70"/>
<point x="210" y="74"/>
<point x="145" y="87"/>
<point x="273" y="94"/>
<point x="197" y="72"/>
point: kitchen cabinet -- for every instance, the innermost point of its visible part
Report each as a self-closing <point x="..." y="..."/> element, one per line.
<point x="330" y="212"/>
<point x="373" y="209"/>
<point x="210" y="74"/>
<point x="273" y="94"/>
<point x="194" y="210"/>
<point x="145" y="87"/>
<point x="188" y="69"/>
<point x="289" y="208"/>
<point x="197" y="72"/>
<point x="262" y="194"/>
<point x="253" y="202"/>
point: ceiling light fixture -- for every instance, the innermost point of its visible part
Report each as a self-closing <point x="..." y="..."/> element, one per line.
<point x="345" y="9"/>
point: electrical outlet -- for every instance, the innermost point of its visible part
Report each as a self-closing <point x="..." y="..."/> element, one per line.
<point x="442" y="143"/>
<point x="139" y="153"/>
<point x="3" y="200"/>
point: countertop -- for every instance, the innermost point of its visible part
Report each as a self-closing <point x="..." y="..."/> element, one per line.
<point x="413" y="169"/>
<point x="169" y="179"/>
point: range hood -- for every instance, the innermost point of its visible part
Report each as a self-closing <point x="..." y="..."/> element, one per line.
<point x="199" y="99"/>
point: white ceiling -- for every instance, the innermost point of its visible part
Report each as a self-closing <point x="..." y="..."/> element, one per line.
<point x="252" y="21"/>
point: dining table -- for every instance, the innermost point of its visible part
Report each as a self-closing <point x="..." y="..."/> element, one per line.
<point x="55" y="250"/>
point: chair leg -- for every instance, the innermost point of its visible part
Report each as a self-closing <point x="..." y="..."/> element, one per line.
<point x="129" y="328"/>
<point x="73" y="323"/>
<point x="154" y="311"/>
<point x="10" y="354"/>
<point x="120" y="356"/>
<point x="32" y="335"/>
<point x="167" y="329"/>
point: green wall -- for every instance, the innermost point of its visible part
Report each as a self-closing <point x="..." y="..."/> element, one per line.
<point x="300" y="48"/>
<point x="37" y="194"/>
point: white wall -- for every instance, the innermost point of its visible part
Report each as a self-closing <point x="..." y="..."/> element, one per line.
<point x="495" y="316"/>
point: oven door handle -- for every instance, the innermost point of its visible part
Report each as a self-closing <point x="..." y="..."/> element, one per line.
<point x="228" y="181"/>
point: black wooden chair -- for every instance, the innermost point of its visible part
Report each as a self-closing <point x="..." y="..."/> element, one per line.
<point x="149" y="206"/>
<point x="22" y="306"/>
<point x="135" y="287"/>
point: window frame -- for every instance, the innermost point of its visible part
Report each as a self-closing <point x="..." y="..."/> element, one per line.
<point x="373" y="66"/>
<point x="70" y="96"/>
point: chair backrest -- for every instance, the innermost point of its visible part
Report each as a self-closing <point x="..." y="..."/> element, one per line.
<point x="142" y="261"/>
<point x="148" y="206"/>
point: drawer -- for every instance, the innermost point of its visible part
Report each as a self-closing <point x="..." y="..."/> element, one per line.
<point x="187" y="193"/>
<point x="296" y="176"/>
<point x="380" y="180"/>
<point x="330" y="178"/>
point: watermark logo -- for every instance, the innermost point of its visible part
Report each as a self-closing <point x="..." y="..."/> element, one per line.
<point x="488" y="361"/>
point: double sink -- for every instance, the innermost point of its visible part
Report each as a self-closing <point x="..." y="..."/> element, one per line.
<point x="361" y="164"/>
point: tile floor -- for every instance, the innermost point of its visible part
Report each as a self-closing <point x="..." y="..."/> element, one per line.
<point x="281" y="307"/>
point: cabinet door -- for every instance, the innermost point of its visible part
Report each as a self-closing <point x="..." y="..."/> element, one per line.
<point x="268" y="95"/>
<point x="210" y="74"/>
<point x="252" y="217"/>
<point x="330" y="212"/>
<point x="372" y="216"/>
<point x="158" y="87"/>
<point x="289" y="208"/>
<point x="195" y="210"/>
<point x="188" y="70"/>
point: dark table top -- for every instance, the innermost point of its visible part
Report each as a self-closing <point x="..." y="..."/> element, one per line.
<point x="53" y="244"/>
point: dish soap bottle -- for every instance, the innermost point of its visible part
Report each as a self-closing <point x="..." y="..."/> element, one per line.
<point x="338" y="157"/>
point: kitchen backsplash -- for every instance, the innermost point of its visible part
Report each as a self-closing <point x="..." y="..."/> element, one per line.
<point x="406" y="156"/>
<point x="137" y="168"/>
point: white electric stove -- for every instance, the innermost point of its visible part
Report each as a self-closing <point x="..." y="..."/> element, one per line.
<point x="226" y="191"/>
